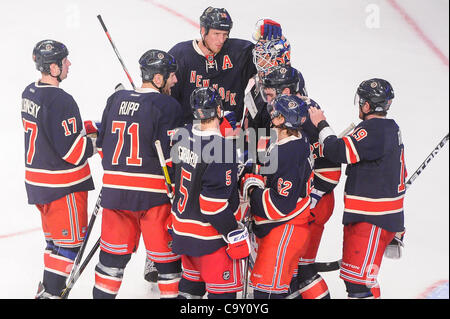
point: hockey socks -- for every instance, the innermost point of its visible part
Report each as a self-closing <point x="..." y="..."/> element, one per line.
<point x="108" y="275"/>
<point x="58" y="263"/>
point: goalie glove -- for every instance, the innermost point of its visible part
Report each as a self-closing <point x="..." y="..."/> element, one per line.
<point x="238" y="242"/>
<point x="394" y="248"/>
<point x="250" y="181"/>
<point x="316" y="196"/>
<point x="267" y="29"/>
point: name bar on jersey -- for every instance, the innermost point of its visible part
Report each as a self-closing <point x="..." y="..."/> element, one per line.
<point x="60" y="178"/>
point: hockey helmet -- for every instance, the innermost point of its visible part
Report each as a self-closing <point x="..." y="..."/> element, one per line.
<point x="282" y="77"/>
<point x="46" y="52"/>
<point x="157" y="62"/>
<point x="216" y="18"/>
<point x="292" y="108"/>
<point x="377" y="92"/>
<point x="268" y="54"/>
<point x="204" y="102"/>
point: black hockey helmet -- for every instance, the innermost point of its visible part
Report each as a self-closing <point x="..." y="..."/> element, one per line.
<point x="377" y="92"/>
<point x="216" y="18"/>
<point x="46" y="52"/>
<point x="204" y="102"/>
<point x="284" y="76"/>
<point x="157" y="62"/>
<point x="292" y="108"/>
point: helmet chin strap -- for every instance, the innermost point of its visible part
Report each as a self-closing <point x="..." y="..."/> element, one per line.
<point x="159" y="87"/>
<point x="58" y="78"/>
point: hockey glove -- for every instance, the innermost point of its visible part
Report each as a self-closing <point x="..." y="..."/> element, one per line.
<point x="91" y="127"/>
<point x="228" y="124"/>
<point x="250" y="181"/>
<point x="316" y="196"/>
<point x="394" y="248"/>
<point x="119" y="87"/>
<point x="267" y="29"/>
<point x="238" y="242"/>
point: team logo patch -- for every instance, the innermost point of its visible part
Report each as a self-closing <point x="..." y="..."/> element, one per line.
<point x="373" y="85"/>
<point x="226" y="275"/>
<point x="292" y="105"/>
<point x="48" y="47"/>
<point x="160" y="56"/>
<point x="283" y="70"/>
<point x="169" y="244"/>
<point x="65" y="232"/>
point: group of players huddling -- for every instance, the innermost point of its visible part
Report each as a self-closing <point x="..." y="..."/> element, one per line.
<point x="227" y="209"/>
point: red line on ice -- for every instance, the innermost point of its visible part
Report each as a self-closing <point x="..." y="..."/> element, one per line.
<point x="175" y="13"/>
<point x="23" y="232"/>
<point x="419" y="32"/>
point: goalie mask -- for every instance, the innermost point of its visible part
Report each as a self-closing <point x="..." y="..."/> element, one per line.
<point x="268" y="54"/>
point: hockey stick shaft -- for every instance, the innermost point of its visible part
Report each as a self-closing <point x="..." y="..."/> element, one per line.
<point x="427" y="161"/>
<point x="162" y="162"/>
<point x="335" y="265"/>
<point x="99" y="17"/>
<point x="77" y="275"/>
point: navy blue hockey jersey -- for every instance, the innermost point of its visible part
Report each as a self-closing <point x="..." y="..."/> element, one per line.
<point x="376" y="173"/>
<point x="131" y="122"/>
<point x="206" y="202"/>
<point x="228" y="73"/>
<point x="286" y="197"/>
<point x="326" y="171"/>
<point x="55" y="152"/>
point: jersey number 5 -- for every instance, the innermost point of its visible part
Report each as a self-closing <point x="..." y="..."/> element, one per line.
<point x="181" y="205"/>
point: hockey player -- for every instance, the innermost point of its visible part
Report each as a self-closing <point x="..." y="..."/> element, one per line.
<point x="134" y="194"/>
<point x="280" y="206"/>
<point x="266" y="56"/>
<point x="375" y="185"/>
<point x="217" y="61"/>
<point x="287" y="80"/>
<point x="57" y="173"/>
<point x="207" y="231"/>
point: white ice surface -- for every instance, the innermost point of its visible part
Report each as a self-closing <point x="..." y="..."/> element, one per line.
<point x="336" y="45"/>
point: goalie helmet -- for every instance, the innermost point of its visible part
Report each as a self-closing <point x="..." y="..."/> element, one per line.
<point x="204" y="102"/>
<point x="292" y="108"/>
<point x="268" y="54"/>
<point x="157" y="62"/>
<point x="377" y="92"/>
<point x="216" y="18"/>
<point x="46" y="52"/>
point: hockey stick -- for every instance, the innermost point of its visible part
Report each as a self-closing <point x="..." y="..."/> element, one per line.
<point x="99" y="17"/>
<point x="80" y="270"/>
<point x="162" y="162"/>
<point x="71" y="280"/>
<point x="427" y="161"/>
<point x="335" y="265"/>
